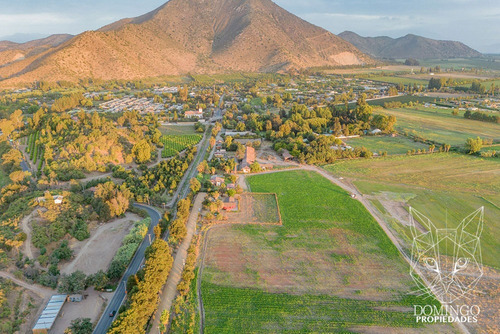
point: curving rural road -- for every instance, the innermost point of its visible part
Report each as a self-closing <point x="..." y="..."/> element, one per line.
<point x="119" y="296"/>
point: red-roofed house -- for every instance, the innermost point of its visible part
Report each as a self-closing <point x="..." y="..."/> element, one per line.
<point x="194" y="114"/>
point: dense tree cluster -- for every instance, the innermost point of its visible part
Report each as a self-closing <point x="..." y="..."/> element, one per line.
<point x="70" y="217"/>
<point x="178" y="227"/>
<point x="154" y="181"/>
<point x="89" y="142"/>
<point x="301" y="129"/>
<point x="111" y="200"/>
<point x="412" y="62"/>
<point x="144" y="301"/>
<point x="473" y="145"/>
<point x="71" y="101"/>
<point x="480" y="116"/>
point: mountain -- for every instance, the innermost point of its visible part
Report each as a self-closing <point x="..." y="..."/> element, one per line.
<point x="51" y="41"/>
<point x="409" y="46"/>
<point x="191" y="36"/>
<point x="12" y="53"/>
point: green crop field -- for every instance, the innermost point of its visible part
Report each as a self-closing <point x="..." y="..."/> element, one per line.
<point x="397" y="80"/>
<point x="446" y="187"/>
<point x="488" y="83"/>
<point x="403" y="99"/>
<point x="441" y="126"/>
<point x="174" y="144"/>
<point x="459" y="63"/>
<point x="329" y="268"/>
<point x="391" y="145"/>
<point x="179" y="129"/>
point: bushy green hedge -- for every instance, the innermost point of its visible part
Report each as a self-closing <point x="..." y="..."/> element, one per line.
<point x="130" y="244"/>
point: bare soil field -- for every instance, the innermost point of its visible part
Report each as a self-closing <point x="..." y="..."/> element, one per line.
<point x="240" y="260"/>
<point x="255" y="208"/>
<point x="96" y="253"/>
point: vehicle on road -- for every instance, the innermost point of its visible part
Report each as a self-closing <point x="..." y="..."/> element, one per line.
<point x="112" y="313"/>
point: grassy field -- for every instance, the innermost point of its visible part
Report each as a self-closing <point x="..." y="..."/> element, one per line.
<point x="397" y="80"/>
<point x="329" y="268"/>
<point x="228" y="77"/>
<point x="446" y="187"/>
<point x="177" y="129"/>
<point x="441" y="126"/>
<point x="174" y="144"/>
<point x="491" y="148"/>
<point x="488" y="83"/>
<point x="459" y="63"/>
<point x="392" y="145"/>
<point x="403" y="99"/>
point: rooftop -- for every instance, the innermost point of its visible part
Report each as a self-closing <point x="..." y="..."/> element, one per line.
<point x="50" y="312"/>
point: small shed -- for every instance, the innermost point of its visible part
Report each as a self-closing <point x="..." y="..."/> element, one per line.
<point x="286" y="155"/>
<point x="75" y="298"/>
<point x="229" y="204"/>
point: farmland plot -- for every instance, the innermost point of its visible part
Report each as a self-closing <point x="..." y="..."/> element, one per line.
<point x="174" y="144"/>
<point x="329" y="268"/>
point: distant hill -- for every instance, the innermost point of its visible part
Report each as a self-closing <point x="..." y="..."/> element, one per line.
<point x="191" y="36"/>
<point x="409" y="46"/>
<point x="51" y="41"/>
<point x="11" y="52"/>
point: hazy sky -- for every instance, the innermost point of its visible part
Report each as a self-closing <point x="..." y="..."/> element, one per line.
<point x="474" y="22"/>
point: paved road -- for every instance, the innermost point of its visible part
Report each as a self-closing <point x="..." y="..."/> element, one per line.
<point x="119" y="296"/>
<point x="181" y="189"/>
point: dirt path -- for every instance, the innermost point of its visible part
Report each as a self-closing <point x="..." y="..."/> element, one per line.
<point x="42" y="292"/>
<point x="27" y="229"/>
<point x="170" y="289"/>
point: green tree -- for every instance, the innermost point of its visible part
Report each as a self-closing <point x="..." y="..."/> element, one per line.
<point x="363" y="109"/>
<point x="195" y="185"/>
<point x="473" y="145"/>
<point x="81" y="326"/>
<point x="255" y="167"/>
<point x="142" y="151"/>
<point x="74" y="283"/>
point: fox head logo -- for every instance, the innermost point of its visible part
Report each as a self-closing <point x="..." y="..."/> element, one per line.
<point x="448" y="261"/>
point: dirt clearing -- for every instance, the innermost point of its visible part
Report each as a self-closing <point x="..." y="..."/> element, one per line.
<point x="90" y="307"/>
<point x="96" y="253"/>
<point x="256" y="208"/>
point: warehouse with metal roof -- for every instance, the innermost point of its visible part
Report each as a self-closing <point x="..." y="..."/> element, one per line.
<point x="49" y="314"/>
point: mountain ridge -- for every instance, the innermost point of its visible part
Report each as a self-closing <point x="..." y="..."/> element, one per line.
<point x="191" y="36"/>
<point x="409" y="46"/>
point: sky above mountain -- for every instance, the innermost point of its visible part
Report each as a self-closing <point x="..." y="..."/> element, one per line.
<point x="473" y="22"/>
